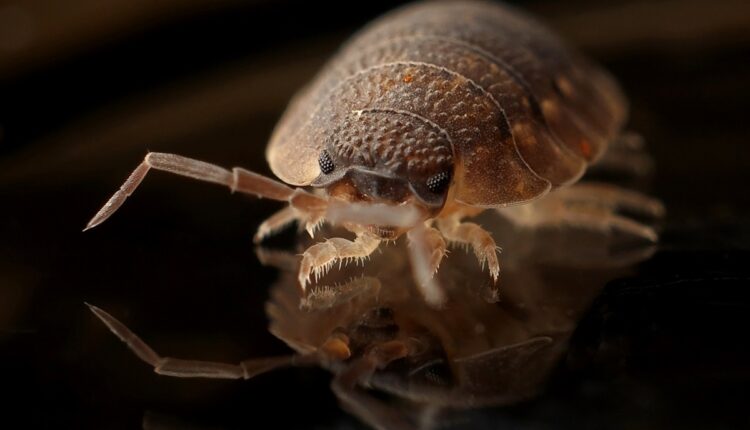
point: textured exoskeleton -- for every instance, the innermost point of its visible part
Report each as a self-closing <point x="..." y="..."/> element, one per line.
<point x="431" y="114"/>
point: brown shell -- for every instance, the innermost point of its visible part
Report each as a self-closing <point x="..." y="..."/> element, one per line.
<point x="524" y="113"/>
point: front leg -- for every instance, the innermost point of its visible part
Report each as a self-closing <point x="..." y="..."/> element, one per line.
<point x="319" y="258"/>
<point x="470" y="234"/>
<point x="426" y="251"/>
<point x="310" y="220"/>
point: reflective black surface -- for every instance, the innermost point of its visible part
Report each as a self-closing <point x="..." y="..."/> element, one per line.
<point x="661" y="347"/>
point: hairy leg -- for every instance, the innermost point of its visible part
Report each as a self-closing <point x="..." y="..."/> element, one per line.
<point x="311" y="221"/>
<point x="437" y="245"/>
<point x="471" y="234"/>
<point x="327" y="296"/>
<point x="426" y="250"/>
<point x="319" y="258"/>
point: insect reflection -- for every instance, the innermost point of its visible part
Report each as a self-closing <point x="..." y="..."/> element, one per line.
<point x="372" y="329"/>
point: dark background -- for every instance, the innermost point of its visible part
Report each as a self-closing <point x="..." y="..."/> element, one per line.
<point x="87" y="87"/>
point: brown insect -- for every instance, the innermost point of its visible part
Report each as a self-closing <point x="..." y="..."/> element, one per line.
<point x="374" y="331"/>
<point x="432" y="114"/>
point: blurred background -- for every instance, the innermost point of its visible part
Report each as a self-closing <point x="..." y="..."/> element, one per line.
<point x="87" y="87"/>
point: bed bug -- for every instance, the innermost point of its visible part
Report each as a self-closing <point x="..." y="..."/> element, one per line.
<point x="372" y="329"/>
<point x="430" y="115"/>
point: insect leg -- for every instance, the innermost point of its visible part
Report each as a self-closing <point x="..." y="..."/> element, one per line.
<point x="282" y="260"/>
<point x="469" y="233"/>
<point x="425" y="256"/>
<point x="191" y="368"/>
<point x="590" y="206"/>
<point x="326" y="297"/>
<point x="319" y="258"/>
<point x="275" y="222"/>
<point x="612" y="198"/>
<point x="237" y="180"/>
<point x="625" y="156"/>
<point x="346" y="386"/>
<point x="437" y="245"/>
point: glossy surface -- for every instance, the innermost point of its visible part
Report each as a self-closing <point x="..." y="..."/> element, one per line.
<point x="475" y="351"/>
<point x="665" y="346"/>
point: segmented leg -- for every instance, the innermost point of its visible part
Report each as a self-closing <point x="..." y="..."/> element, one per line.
<point x="612" y="198"/>
<point x="319" y="258"/>
<point x="322" y="296"/>
<point x="470" y="234"/>
<point x="347" y="387"/>
<point x="275" y="222"/>
<point x="626" y="155"/>
<point x="423" y="253"/>
<point x="237" y="180"/>
<point x="590" y="206"/>
<point x="327" y="296"/>
<point x="436" y="243"/>
<point x="192" y="368"/>
<point x="311" y="221"/>
<point x="282" y="260"/>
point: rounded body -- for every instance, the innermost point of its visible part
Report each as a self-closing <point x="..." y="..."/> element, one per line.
<point x="474" y="87"/>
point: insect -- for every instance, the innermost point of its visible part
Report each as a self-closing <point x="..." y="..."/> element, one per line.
<point x="430" y="115"/>
<point x="375" y="331"/>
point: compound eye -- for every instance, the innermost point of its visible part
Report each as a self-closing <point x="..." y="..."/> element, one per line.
<point x="325" y="162"/>
<point x="438" y="182"/>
